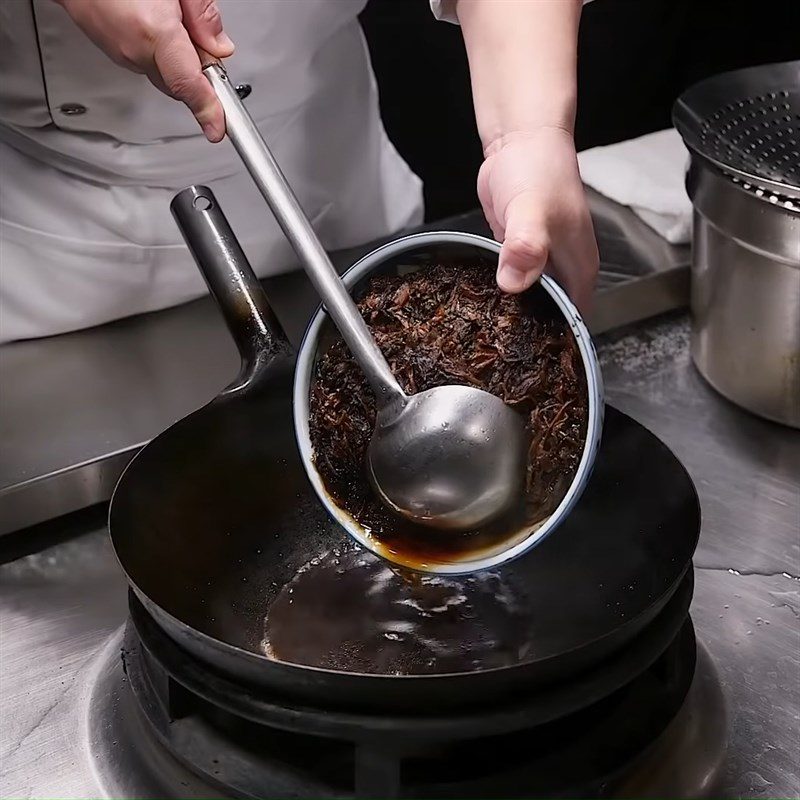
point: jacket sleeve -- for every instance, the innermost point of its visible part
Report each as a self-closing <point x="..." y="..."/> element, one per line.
<point x="444" y="10"/>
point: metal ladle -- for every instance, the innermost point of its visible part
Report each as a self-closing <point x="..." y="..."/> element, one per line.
<point x="452" y="457"/>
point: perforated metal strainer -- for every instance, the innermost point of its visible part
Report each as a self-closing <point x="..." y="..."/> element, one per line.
<point x="747" y="124"/>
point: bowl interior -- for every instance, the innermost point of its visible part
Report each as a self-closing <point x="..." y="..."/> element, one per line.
<point x="401" y="262"/>
<point x="405" y="256"/>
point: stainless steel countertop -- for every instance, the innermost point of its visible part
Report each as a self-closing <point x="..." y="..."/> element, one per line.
<point x="75" y="408"/>
<point x="747" y="595"/>
<point x="58" y="607"/>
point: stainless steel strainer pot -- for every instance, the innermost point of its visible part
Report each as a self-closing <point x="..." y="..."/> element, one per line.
<point x="743" y="131"/>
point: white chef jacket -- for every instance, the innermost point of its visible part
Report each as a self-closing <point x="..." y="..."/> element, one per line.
<point x="91" y="155"/>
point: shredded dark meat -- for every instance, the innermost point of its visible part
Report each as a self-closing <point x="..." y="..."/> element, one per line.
<point x="444" y="325"/>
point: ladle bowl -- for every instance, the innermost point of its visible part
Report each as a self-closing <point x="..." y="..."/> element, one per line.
<point x="407" y="255"/>
<point x="452" y="458"/>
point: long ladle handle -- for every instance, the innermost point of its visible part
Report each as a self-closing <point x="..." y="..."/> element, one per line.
<point x="271" y="182"/>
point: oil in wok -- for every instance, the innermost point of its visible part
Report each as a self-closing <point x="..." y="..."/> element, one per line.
<point x="350" y="611"/>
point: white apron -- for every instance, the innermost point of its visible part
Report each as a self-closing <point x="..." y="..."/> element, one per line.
<point x="91" y="155"/>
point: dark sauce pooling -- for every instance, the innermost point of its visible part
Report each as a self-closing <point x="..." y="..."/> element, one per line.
<point x="350" y="611"/>
<point x="451" y="325"/>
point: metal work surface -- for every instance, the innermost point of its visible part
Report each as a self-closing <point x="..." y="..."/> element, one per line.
<point x="76" y="407"/>
<point x="747" y="593"/>
<point x="59" y="607"/>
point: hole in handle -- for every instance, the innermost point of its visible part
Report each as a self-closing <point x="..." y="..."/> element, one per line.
<point x="203" y="203"/>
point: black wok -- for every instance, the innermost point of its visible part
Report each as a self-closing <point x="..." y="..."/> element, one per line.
<point x="215" y="515"/>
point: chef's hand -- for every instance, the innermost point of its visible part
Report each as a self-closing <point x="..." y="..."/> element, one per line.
<point x="534" y="201"/>
<point x="523" y="64"/>
<point x="157" y="38"/>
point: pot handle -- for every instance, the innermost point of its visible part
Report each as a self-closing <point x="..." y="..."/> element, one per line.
<point x="230" y="279"/>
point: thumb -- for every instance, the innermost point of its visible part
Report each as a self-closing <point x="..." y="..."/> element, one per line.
<point x="522" y="257"/>
<point x="204" y="23"/>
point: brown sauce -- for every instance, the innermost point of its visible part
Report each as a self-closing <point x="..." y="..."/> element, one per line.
<point x="350" y="611"/>
<point x="418" y="547"/>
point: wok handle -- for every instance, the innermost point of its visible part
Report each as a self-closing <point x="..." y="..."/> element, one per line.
<point x="230" y="279"/>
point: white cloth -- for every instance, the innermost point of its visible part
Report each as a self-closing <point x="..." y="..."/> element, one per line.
<point x="85" y="230"/>
<point x="648" y="175"/>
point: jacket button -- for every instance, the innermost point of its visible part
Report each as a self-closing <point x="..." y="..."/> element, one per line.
<point x="72" y="109"/>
